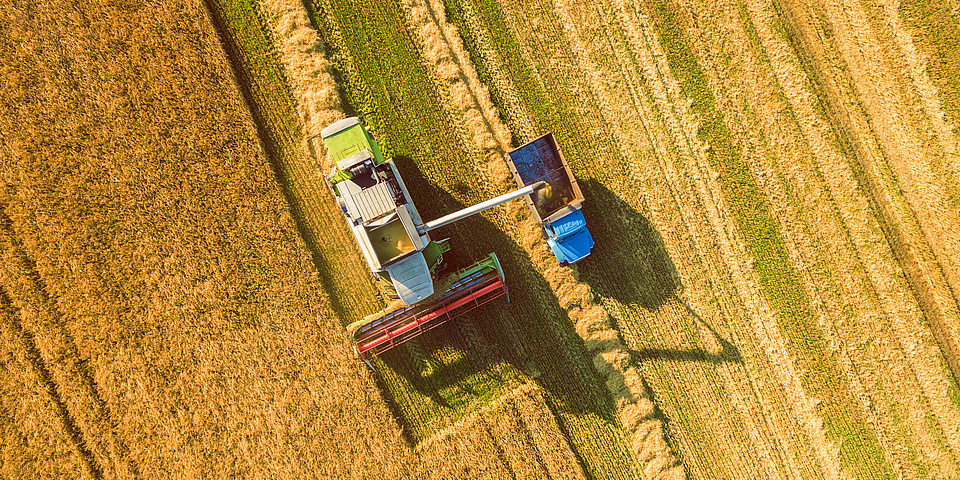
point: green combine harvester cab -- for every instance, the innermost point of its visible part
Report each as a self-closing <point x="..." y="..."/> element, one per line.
<point x="396" y="243"/>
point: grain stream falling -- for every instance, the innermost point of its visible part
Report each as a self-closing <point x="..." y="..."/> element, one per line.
<point x="445" y="52"/>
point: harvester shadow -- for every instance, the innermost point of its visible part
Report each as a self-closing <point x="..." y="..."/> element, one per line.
<point x="532" y="334"/>
<point x="728" y="351"/>
<point x="629" y="262"/>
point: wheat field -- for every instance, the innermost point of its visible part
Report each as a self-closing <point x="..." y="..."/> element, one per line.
<point x="773" y="187"/>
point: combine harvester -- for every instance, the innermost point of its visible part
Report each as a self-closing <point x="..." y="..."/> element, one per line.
<point x="556" y="207"/>
<point x="397" y="247"/>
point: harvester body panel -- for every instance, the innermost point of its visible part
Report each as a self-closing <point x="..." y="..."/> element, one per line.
<point x="396" y="244"/>
<point x="557" y="207"/>
<point x="378" y="209"/>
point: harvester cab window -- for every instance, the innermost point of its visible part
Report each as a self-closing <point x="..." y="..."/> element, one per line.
<point x="362" y="174"/>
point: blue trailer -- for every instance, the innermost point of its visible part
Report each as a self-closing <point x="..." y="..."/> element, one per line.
<point x="557" y="206"/>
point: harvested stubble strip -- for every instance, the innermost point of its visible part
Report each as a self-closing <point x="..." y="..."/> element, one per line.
<point x="522" y="433"/>
<point x="593" y="128"/>
<point x="931" y="280"/>
<point x="935" y="27"/>
<point x="732" y="407"/>
<point x="738" y="259"/>
<point x="922" y="68"/>
<point x="872" y="267"/>
<point x="779" y="276"/>
<point x="446" y="54"/>
<point x="935" y="71"/>
<point x="908" y="148"/>
<point x="308" y="68"/>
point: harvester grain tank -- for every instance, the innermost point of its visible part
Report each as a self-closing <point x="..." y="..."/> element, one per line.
<point x="556" y="207"/>
<point x="396" y="243"/>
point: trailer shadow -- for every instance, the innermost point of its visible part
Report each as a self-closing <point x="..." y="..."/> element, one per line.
<point x="631" y="265"/>
<point x="629" y="262"/>
<point x="529" y="339"/>
<point x="728" y="351"/>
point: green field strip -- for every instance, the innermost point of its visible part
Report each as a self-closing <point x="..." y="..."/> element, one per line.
<point x="383" y="70"/>
<point x="897" y="220"/>
<point x="260" y="75"/>
<point x="672" y="384"/>
<point x="892" y="408"/>
<point x="859" y="448"/>
<point x="411" y="126"/>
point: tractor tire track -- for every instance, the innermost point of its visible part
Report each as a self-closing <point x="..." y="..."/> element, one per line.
<point x="896" y="222"/>
<point x="885" y="296"/>
<point x="67" y="378"/>
<point x="904" y="147"/>
<point x="867" y="275"/>
<point x="671" y="115"/>
<point x="28" y="343"/>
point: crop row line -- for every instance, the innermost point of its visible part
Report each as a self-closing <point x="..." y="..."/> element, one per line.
<point x="587" y="313"/>
<point x="862" y="271"/>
